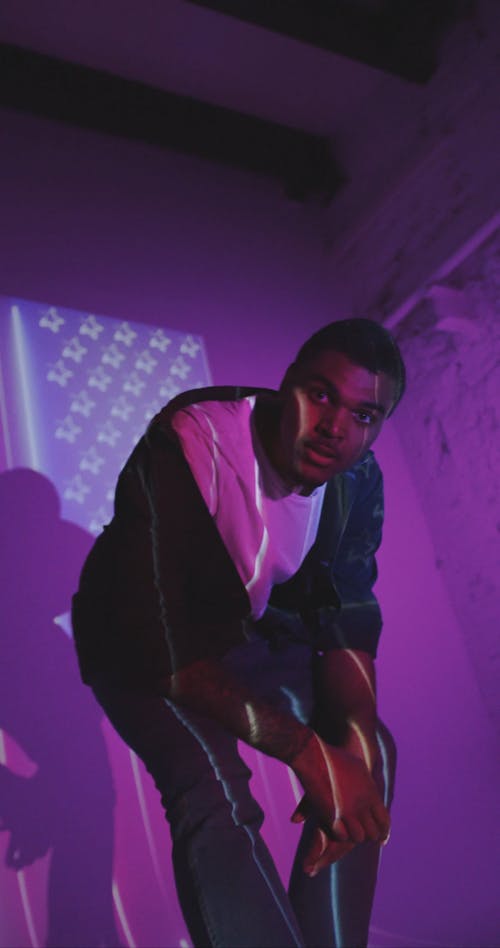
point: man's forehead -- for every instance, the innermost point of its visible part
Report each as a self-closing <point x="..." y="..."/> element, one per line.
<point x="334" y="365"/>
<point x="339" y="372"/>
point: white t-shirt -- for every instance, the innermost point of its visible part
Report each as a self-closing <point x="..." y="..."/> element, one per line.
<point x="266" y="528"/>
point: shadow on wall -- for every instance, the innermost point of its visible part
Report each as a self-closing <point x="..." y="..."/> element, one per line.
<point x="67" y="805"/>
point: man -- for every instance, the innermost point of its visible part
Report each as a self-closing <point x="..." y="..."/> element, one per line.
<point x="230" y="597"/>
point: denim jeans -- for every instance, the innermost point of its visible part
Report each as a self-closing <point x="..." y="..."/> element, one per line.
<point x="228" y="887"/>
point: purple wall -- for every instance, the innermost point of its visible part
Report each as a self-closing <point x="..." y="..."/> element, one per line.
<point x="106" y="226"/>
<point x="112" y="228"/>
<point x="440" y="871"/>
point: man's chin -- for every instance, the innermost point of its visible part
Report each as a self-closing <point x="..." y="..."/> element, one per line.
<point x="311" y="469"/>
<point x="312" y="477"/>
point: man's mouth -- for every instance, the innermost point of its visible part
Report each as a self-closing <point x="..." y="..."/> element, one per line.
<point x="321" y="450"/>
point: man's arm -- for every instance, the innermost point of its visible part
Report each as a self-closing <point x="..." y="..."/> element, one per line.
<point x="345" y="694"/>
<point x="346" y="717"/>
<point x="346" y="702"/>
<point x="338" y="786"/>
<point x="345" y="671"/>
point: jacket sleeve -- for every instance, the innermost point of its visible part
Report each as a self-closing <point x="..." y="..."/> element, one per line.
<point x="200" y="598"/>
<point x="159" y="589"/>
<point x="357" y="622"/>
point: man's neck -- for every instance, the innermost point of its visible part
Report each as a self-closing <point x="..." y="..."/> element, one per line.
<point x="267" y="418"/>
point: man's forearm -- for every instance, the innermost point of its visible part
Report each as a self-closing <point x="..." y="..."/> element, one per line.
<point x="209" y="688"/>
<point x="338" y="787"/>
<point x="346" y="701"/>
<point x="346" y="683"/>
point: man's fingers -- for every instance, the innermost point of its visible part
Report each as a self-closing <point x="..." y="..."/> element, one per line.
<point x="302" y="811"/>
<point x="371" y="828"/>
<point x="317" y="848"/>
<point x="371" y="823"/>
<point x="382" y="819"/>
<point x="332" y="854"/>
<point x="323" y="852"/>
<point x="339" y="831"/>
<point x="355" y="830"/>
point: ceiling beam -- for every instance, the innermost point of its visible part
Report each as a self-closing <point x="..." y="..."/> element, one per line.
<point x="55" y="89"/>
<point x="396" y="36"/>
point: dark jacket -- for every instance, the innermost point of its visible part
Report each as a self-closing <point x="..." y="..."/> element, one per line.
<point x="159" y="589"/>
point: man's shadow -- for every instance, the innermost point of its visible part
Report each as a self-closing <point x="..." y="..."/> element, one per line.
<point x="67" y="806"/>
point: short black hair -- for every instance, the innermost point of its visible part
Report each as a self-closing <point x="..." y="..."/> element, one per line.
<point x="365" y="342"/>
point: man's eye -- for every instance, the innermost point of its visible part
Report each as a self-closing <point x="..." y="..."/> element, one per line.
<point x="364" y="417"/>
<point x="318" y="394"/>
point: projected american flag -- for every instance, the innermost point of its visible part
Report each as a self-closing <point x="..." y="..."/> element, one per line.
<point x="76" y="393"/>
<point x="79" y="391"/>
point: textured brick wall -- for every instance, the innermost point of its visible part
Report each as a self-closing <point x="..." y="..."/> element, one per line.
<point x="424" y="168"/>
<point x="402" y="250"/>
<point x="449" y="427"/>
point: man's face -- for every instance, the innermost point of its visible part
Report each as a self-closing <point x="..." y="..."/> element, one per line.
<point x="332" y="412"/>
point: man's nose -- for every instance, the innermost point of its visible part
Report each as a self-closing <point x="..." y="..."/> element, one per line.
<point x="333" y="422"/>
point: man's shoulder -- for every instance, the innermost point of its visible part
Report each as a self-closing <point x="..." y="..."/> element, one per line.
<point x="368" y="469"/>
<point x="349" y="491"/>
<point x="212" y="393"/>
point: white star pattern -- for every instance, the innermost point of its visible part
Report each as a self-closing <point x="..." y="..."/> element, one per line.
<point x="74" y="350"/>
<point x="190" y="347"/>
<point x="159" y="340"/>
<point x="152" y="410"/>
<point x="91" y="461"/>
<point x="99" y="378"/>
<point x="82" y="404"/>
<point x="76" y="490"/>
<point x="68" y="430"/>
<point x="180" y="367"/>
<point x="59" y="373"/>
<point x="96" y="382"/>
<point x="90" y="327"/>
<point x="109" y="434"/>
<point x="112" y="356"/>
<point x="145" y="362"/>
<point x="122" y="408"/>
<point x="168" y="389"/>
<point x="51" y="320"/>
<point x="134" y="384"/>
<point x="125" y="334"/>
<point x="98" y="519"/>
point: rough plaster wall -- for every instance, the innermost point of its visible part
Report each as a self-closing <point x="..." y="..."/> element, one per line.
<point x="423" y="163"/>
<point x="449" y="424"/>
<point x="432" y="184"/>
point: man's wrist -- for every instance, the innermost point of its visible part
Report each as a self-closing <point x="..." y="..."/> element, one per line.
<point x="361" y="740"/>
<point x="298" y="743"/>
<point x="306" y="757"/>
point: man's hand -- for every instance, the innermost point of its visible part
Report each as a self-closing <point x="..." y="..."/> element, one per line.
<point x="346" y="716"/>
<point x="342" y="796"/>
<point x="323" y="850"/>
<point x="340" y="791"/>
